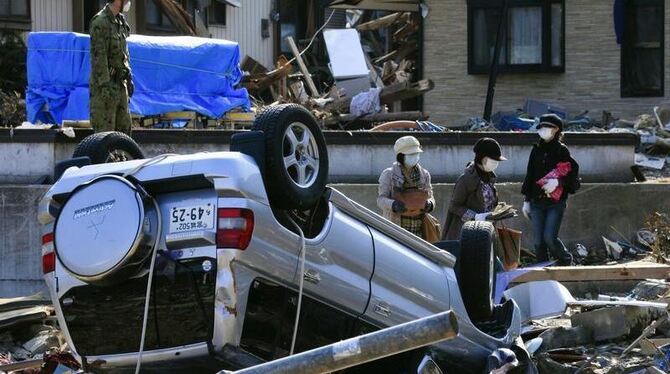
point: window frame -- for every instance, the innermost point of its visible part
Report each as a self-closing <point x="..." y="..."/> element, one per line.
<point x="628" y="47"/>
<point x="545" y="66"/>
<point x="210" y="13"/>
<point x="20" y="22"/>
<point x="160" y="29"/>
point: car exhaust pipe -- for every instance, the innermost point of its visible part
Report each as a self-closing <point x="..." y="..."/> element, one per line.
<point x="365" y="348"/>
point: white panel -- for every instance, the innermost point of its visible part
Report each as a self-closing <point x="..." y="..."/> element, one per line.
<point x="346" y="54"/>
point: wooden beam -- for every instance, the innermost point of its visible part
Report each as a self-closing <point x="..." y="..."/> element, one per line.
<point x="377" y="117"/>
<point x="379" y="23"/>
<point x="303" y="68"/>
<point x="405" y="90"/>
<point x="389" y="94"/>
<point x="629" y="271"/>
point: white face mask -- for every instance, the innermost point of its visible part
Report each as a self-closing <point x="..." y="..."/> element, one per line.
<point x="411" y="160"/>
<point x="126" y="7"/>
<point x="489" y="164"/>
<point x="546" y="133"/>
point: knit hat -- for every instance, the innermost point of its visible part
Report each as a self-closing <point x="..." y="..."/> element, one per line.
<point x="487" y="147"/>
<point x="551" y="120"/>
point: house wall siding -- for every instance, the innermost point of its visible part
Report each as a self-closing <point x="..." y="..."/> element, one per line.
<point x="51" y="15"/>
<point x="592" y="68"/>
<point x="243" y="25"/>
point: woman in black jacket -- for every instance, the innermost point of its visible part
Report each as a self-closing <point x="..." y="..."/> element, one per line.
<point x="546" y="196"/>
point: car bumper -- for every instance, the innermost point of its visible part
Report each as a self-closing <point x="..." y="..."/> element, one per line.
<point x="159" y="356"/>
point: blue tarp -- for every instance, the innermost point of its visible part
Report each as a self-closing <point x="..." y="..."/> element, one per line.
<point x="170" y="74"/>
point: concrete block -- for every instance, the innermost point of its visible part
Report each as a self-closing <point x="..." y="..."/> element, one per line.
<point x="650" y="290"/>
<point x="562" y="337"/>
<point x="617" y="322"/>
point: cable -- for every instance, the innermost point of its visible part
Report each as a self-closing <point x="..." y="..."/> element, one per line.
<point x="301" y="284"/>
<point x="149" y="284"/>
<point x="148" y="162"/>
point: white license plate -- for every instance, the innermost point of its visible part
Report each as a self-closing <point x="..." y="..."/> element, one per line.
<point x="191" y="218"/>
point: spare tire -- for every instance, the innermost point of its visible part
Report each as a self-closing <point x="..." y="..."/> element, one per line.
<point x="105" y="231"/>
<point x="108" y="146"/>
<point x="476" y="269"/>
<point x="295" y="154"/>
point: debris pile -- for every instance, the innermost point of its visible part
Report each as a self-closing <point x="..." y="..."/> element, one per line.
<point x="30" y="338"/>
<point x="371" y="74"/>
<point x="12" y="109"/>
<point x="566" y="335"/>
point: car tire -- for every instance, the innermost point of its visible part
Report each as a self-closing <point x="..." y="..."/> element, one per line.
<point x="476" y="269"/>
<point x="295" y="154"/>
<point x="109" y="146"/>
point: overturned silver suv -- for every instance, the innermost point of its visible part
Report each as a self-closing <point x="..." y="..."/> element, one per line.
<point x="208" y="255"/>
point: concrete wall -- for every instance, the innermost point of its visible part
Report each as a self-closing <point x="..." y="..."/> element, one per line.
<point x="590" y="214"/>
<point x="357" y="157"/>
<point x="20" y="241"/>
<point x="592" y="67"/>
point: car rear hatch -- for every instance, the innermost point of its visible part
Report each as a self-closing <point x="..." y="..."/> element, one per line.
<point x="104" y="320"/>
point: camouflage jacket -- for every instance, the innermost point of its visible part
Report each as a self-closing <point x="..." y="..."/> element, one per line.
<point x="109" y="51"/>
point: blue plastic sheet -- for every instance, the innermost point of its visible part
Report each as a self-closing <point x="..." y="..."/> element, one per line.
<point x="170" y="74"/>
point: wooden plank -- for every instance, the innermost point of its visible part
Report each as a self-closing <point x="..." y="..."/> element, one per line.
<point x="629" y="271"/>
<point x="389" y="94"/>
<point x="379" y="23"/>
<point x="377" y="117"/>
<point x="303" y="68"/>
<point x="373" y="72"/>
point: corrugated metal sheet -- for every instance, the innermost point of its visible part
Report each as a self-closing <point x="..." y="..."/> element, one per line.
<point x="243" y="25"/>
<point x="51" y="15"/>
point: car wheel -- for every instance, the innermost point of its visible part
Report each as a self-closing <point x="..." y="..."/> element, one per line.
<point x="476" y="275"/>
<point x="296" y="156"/>
<point x="109" y="146"/>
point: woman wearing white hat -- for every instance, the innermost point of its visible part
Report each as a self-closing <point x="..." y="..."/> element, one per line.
<point x="405" y="192"/>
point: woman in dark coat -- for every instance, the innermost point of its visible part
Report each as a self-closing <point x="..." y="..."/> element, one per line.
<point x="546" y="197"/>
<point x="475" y="195"/>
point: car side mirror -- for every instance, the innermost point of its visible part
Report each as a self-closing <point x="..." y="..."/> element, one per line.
<point x="428" y="366"/>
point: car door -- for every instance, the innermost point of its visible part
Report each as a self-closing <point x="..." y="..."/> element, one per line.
<point x="405" y="285"/>
<point x="339" y="263"/>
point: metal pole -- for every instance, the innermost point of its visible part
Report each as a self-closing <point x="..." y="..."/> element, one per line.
<point x="365" y="348"/>
<point x="493" y="72"/>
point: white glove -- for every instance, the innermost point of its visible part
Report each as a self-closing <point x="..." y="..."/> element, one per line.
<point x="526" y="209"/>
<point x="550" y="186"/>
<point x="482" y="216"/>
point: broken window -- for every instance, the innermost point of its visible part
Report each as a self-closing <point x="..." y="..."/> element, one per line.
<point x="642" y="50"/>
<point x="532" y="36"/>
<point x="15" y="10"/>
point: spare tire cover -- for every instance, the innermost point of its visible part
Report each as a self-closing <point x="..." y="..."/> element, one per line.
<point x="99" y="227"/>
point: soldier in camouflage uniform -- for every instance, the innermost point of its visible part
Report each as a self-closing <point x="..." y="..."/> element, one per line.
<point x="110" y="82"/>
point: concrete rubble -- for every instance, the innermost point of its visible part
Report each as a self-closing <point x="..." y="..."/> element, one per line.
<point x="628" y="335"/>
<point x="30" y="340"/>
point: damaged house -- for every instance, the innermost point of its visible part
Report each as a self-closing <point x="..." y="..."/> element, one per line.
<point x="246" y="22"/>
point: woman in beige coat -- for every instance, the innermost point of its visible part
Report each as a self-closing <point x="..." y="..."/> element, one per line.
<point x="405" y="176"/>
